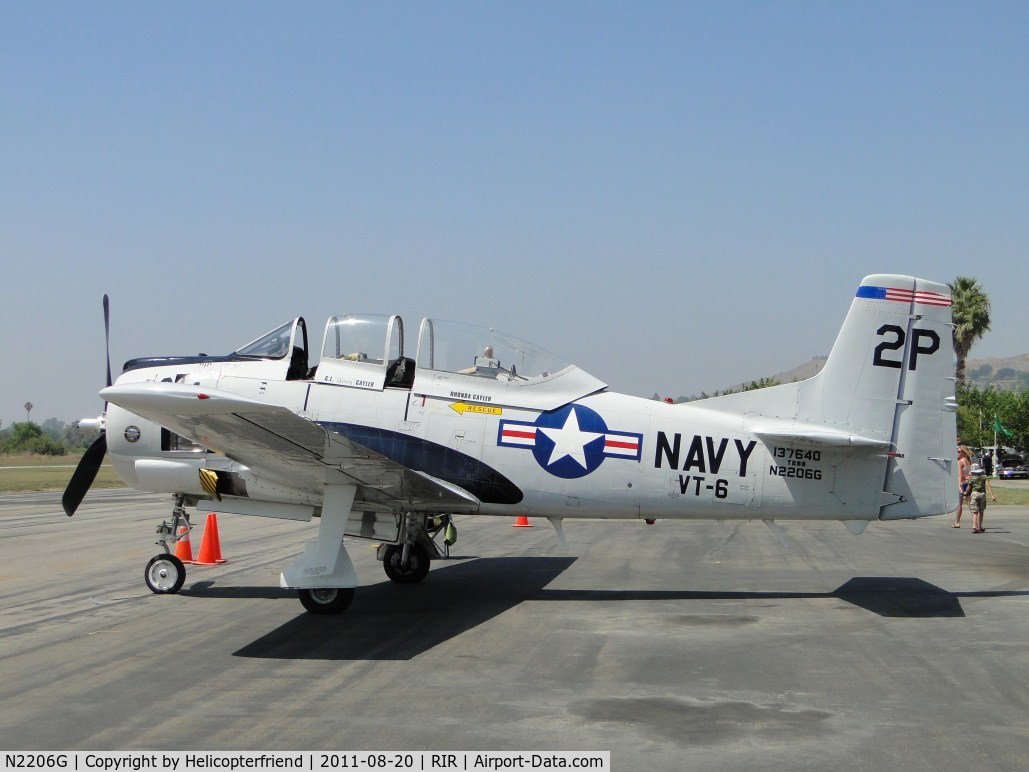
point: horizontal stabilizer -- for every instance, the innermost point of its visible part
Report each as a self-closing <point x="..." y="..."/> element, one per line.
<point x="818" y="436"/>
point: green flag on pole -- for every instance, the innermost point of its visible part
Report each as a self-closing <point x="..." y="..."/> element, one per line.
<point x="999" y="427"/>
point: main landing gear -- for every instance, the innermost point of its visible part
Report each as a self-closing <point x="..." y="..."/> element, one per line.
<point x="406" y="569"/>
<point x="407" y="562"/>
<point x="165" y="573"/>
<point x="326" y="600"/>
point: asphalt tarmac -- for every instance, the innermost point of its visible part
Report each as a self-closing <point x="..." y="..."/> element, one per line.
<point x="698" y="646"/>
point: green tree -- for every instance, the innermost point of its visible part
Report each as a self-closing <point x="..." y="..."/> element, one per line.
<point x="764" y="383"/>
<point x="970" y="307"/>
<point x="978" y="408"/>
<point x="23" y="432"/>
<point x="29" y="437"/>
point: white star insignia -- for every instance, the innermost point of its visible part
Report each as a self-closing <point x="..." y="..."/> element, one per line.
<point x="569" y="441"/>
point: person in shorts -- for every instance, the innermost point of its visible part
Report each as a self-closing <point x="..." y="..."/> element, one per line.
<point x="964" y="464"/>
<point x="978" y="486"/>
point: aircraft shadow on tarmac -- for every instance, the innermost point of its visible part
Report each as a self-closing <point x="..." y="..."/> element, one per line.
<point x="208" y="589"/>
<point x="887" y="596"/>
<point x="390" y="622"/>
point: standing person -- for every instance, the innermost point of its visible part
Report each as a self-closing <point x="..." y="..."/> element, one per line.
<point x="978" y="485"/>
<point x="964" y="464"/>
<point x="988" y="463"/>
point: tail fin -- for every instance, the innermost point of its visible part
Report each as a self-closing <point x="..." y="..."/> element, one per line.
<point x="887" y="388"/>
<point x="913" y="341"/>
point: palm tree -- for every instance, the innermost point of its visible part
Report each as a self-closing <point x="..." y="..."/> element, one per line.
<point x="971" y="309"/>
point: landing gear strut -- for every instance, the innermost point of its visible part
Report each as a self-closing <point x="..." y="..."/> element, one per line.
<point x="165" y="573"/>
<point x="323" y="575"/>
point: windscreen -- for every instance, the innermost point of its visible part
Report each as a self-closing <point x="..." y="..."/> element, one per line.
<point x="274" y="345"/>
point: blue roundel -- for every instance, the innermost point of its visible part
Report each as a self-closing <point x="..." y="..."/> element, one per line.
<point x="570" y="441"/>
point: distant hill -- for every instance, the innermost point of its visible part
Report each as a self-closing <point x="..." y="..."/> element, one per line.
<point x="800" y="373"/>
<point x="1002" y="374"/>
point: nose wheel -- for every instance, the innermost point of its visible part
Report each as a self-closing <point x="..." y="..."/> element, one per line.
<point x="164" y="574"/>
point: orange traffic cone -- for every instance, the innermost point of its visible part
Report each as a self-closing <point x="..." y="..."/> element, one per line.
<point x="210" y="548"/>
<point x="183" y="549"/>
<point x="521" y="521"/>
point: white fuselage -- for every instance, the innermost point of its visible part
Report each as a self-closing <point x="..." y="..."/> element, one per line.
<point x="509" y="429"/>
<point x="647" y="459"/>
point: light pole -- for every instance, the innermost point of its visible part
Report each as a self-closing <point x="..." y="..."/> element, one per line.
<point x="28" y="412"/>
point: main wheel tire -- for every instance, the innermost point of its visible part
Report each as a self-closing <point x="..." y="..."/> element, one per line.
<point x="417" y="567"/>
<point x="164" y="574"/>
<point x="326" y="600"/>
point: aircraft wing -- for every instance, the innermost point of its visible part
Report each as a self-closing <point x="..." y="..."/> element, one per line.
<point x="280" y="446"/>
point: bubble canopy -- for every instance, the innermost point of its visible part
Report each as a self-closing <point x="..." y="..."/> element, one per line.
<point x="483" y="352"/>
<point x="452" y="360"/>
<point x="372" y="338"/>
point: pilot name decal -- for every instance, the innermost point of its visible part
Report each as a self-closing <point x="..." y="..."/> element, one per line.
<point x="570" y="442"/>
<point x="336" y="380"/>
<point x="470" y="396"/>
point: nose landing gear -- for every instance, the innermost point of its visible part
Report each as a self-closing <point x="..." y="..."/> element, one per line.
<point x="165" y="573"/>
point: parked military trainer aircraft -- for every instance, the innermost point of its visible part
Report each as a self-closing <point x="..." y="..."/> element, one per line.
<point x="379" y="445"/>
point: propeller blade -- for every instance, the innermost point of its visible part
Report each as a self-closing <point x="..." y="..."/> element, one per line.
<point x="84" y="475"/>
<point x="107" y="335"/>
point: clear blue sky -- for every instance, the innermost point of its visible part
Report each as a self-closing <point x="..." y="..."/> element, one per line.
<point x="676" y="196"/>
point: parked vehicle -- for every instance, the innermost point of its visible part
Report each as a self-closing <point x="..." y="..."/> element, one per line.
<point x="1012" y="468"/>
